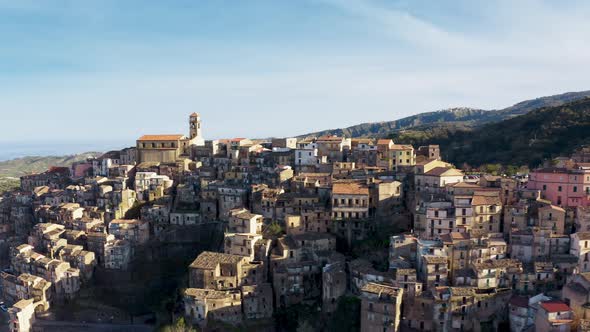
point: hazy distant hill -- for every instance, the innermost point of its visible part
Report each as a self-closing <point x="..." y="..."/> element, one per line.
<point x="28" y="165"/>
<point x="522" y="140"/>
<point x="454" y="118"/>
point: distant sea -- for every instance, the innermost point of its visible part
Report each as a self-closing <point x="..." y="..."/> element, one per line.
<point x="13" y="150"/>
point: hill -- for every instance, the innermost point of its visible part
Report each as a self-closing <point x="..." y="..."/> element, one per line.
<point x="27" y="165"/>
<point x="454" y="118"/>
<point x="522" y="140"/>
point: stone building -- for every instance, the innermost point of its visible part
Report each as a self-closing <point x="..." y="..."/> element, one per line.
<point x="135" y="231"/>
<point x="117" y="254"/>
<point x="257" y="301"/>
<point x="350" y="200"/>
<point x="213" y="270"/>
<point x="170" y="148"/>
<point x="242" y="221"/>
<point x="161" y="148"/>
<point x="381" y="308"/>
<point x="78" y="258"/>
<point x="244" y="244"/>
<point x="22" y="316"/>
<point x="65" y="280"/>
<point x="26" y="286"/>
<point x="334" y="285"/>
<point x="201" y="305"/>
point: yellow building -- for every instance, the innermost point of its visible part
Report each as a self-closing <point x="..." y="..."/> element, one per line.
<point x="402" y="155"/>
<point x="170" y="148"/>
<point x="161" y="148"/>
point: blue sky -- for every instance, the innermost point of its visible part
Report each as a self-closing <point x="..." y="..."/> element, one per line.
<point x="109" y="71"/>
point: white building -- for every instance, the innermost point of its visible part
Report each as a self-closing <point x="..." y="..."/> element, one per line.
<point x="580" y="247"/>
<point x="146" y="181"/>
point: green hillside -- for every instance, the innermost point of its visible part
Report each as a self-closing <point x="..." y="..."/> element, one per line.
<point x="27" y="165"/>
<point x="523" y="140"/>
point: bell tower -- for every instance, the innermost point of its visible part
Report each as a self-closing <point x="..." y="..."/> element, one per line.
<point x="196" y="136"/>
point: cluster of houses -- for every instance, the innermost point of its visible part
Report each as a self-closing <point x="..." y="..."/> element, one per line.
<point x="473" y="253"/>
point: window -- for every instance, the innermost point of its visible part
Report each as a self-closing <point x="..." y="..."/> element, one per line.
<point x="559" y="188"/>
<point x="575" y="189"/>
<point x="544" y="187"/>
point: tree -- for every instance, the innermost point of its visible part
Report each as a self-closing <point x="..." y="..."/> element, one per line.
<point x="305" y="326"/>
<point x="178" y="326"/>
<point x="274" y="230"/>
<point x="346" y="318"/>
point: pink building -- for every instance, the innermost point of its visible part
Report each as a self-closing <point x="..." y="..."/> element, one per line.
<point x="569" y="187"/>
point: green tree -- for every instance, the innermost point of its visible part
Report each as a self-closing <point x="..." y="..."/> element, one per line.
<point x="346" y="318"/>
<point x="178" y="326"/>
<point x="274" y="229"/>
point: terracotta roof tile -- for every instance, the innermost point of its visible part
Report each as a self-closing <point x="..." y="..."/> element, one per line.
<point x="486" y="200"/>
<point x="438" y="171"/>
<point x="172" y="137"/>
<point x="555" y="306"/>
<point x="384" y="142"/>
<point x="380" y="289"/>
<point x="349" y="188"/>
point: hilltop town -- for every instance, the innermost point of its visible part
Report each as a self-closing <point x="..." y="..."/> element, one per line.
<point x="318" y="233"/>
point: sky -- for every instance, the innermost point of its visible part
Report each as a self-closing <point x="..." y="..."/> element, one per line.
<point x="91" y="73"/>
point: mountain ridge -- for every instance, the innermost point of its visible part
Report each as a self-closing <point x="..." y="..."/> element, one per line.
<point x="460" y="117"/>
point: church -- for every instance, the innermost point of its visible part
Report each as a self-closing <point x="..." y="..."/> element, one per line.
<point x="172" y="147"/>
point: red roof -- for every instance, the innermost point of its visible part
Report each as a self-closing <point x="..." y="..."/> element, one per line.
<point x="58" y="169"/>
<point x="384" y="142"/>
<point x="555" y="306"/>
<point x="401" y="147"/>
<point x="349" y="188"/>
<point x="174" y="137"/>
